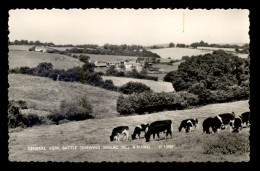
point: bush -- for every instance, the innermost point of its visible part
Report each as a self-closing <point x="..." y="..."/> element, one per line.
<point x="154" y="102"/>
<point x="72" y="111"/>
<point x="133" y="87"/>
<point x="34" y="119"/>
<point x="16" y="119"/>
<point x="227" y="144"/>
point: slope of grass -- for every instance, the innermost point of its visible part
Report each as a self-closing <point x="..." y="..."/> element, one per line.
<point x="154" y="85"/>
<point x="32" y="59"/>
<point x="182" y="147"/>
<point x="45" y="94"/>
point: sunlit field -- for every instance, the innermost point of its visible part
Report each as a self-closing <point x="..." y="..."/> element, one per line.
<point x="154" y="85"/>
<point x="183" y="147"/>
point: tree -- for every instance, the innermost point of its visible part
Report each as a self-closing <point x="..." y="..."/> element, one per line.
<point x="171" y="45"/>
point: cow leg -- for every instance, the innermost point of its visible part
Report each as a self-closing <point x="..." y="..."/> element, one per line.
<point x="153" y="135"/>
<point x="158" y="135"/>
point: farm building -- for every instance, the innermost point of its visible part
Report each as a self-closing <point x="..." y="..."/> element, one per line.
<point x="114" y="63"/>
<point x="43" y="49"/>
<point x="100" y="64"/>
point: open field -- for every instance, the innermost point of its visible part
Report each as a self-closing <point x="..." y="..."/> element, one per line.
<point x="46" y="95"/>
<point x="95" y="132"/>
<point x="19" y="47"/>
<point x="107" y="58"/>
<point x="32" y="59"/>
<point x="156" y="86"/>
<point x="178" y="53"/>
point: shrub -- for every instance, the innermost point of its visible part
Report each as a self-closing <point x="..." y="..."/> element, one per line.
<point x="154" y="102"/>
<point x="108" y="84"/>
<point x="72" y="111"/>
<point x="134" y="87"/>
<point x="55" y="117"/>
<point x="34" y="119"/>
<point x="16" y="119"/>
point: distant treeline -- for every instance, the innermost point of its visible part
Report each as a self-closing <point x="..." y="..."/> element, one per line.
<point x="245" y="47"/>
<point x="107" y="49"/>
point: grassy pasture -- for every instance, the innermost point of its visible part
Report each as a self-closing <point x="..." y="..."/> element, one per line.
<point x="19" y="47"/>
<point x="185" y="147"/>
<point x="32" y="59"/>
<point x="46" y="95"/>
<point x="178" y="53"/>
<point x="156" y="86"/>
<point x="107" y="58"/>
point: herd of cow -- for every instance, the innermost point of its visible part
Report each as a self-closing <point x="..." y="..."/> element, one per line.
<point x="216" y="123"/>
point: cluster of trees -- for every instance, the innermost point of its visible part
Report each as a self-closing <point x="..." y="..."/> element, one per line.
<point x="126" y="50"/>
<point x="245" y="47"/>
<point x="26" y="42"/>
<point x="213" y="77"/>
<point x="112" y="71"/>
<point x="181" y="45"/>
<point x="37" y="43"/>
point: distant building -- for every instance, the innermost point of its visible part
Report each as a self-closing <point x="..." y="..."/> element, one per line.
<point x="100" y="64"/>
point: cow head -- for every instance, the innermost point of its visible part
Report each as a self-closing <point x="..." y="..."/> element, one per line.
<point x="112" y="138"/>
<point x="147" y="137"/>
<point x="133" y="136"/>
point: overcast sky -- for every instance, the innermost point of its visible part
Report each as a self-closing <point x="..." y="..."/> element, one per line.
<point x="128" y="26"/>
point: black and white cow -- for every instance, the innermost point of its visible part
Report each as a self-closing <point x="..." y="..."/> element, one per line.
<point x="213" y="123"/>
<point x="121" y="130"/>
<point x="138" y="130"/>
<point x="157" y="127"/>
<point x="227" y="120"/>
<point x="237" y="125"/>
<point x="245" y="118"/>
<point x="188" y="123"/>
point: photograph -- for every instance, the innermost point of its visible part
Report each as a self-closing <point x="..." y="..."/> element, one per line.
<point x="129" y="85"/>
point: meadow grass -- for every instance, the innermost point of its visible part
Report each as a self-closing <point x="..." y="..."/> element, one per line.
<point x="185" y="147"/>
<point x="154" y="85"/>
<point x="32" y="59"/>
<point x="45" y="94"/>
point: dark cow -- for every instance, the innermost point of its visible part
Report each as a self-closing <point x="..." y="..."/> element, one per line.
<point x="119" y="131"/>
<point x="188" y="123"/>
<point x="138" y="130"/>
<point x="157" y="127"/>
<point x="237" y="125"/>
<point x="214" y="123"/>
<point x="245" y="118"/>
<point x="227" y="120"/>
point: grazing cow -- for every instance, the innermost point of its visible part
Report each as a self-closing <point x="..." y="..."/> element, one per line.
<point x="157" y="127"/>
<point x="245" y="118"/>
<point x="227" y="120"/>
<point x="188" y="123"/>
<point x="237" y="125"/>
<point x="214" y="123"/>
<point x="118" y="131"/>
<point x="138" y="130"/>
